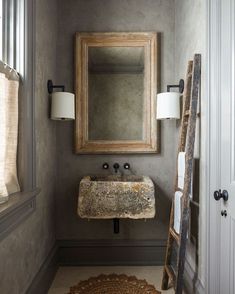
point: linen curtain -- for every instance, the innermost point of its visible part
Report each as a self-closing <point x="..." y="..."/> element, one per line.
<point x="9" y="86"/>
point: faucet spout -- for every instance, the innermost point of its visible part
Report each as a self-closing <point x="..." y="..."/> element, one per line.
<point x="116" y="167"/>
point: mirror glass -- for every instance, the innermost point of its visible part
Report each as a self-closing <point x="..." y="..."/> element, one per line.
<point x="116" y="93"/>
<point x="116" y="81"/>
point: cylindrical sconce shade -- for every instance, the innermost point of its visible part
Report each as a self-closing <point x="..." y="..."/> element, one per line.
<point x="168" y="105"/>
<point x="62" y="106"/>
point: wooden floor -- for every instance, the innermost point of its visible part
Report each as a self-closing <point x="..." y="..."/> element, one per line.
<point x="70" y="276"/>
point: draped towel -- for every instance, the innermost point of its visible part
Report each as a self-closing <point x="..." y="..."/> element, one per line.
<point x="177" y="211"/>
<point x="9" y="86"/>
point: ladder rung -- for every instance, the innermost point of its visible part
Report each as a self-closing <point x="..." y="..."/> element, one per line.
<point x="187" y="113"/>
<point x="170" y="273"/>
<point x="179" y="189"/>
<point x="175" y="235"/>
<point x="195" y="203"/>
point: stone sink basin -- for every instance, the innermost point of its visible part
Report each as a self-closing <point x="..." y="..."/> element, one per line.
<point x="114" y="196"/>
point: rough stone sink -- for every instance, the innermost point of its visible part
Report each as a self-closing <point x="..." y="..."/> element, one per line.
<point x="114" y="196"/>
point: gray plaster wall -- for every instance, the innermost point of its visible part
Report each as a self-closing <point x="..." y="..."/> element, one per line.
<point x="191" y="38"/>
<point x="26" y="248"/>
<point x="112" y="15"/>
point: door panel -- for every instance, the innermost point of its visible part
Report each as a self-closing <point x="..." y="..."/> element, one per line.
<point x="227" y="147"/>
<point x="232" y="257"/>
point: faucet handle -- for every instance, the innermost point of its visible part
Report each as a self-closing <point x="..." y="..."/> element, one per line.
<point x="126" y="165"/>
<point x="105" y="165"/>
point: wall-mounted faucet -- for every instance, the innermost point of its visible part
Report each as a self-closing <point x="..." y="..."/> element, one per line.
<point x="116" y="167"/>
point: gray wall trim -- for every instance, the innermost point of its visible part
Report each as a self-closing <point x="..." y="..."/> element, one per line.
<point x="26" y="148"/>
<point x="29" y="119"/>
<point x="192" y="283"/>
<point x="43" y="279"/>
<point x="111" y="252"/>
<point x="18" y="208"/>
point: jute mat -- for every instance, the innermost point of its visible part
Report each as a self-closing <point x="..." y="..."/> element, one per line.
<point x="113" y="284"/>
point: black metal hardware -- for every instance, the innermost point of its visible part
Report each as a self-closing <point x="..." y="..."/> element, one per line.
<point x="105" y="165"/>
<point x="218" y="195"/>
<point x="116" y="225"/>
<point x="116" y="167"/>
<point x="50" y="87"/>
<point x="224" y="213"/>
<point x="225" y="195"/>
<point x="180" y="86"/>
<point x="126" y="165"/>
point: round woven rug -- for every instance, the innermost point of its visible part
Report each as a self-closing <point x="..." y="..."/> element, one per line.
<point x="113" y="284"/>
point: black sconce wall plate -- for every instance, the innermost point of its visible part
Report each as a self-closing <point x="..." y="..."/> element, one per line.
<point x="50" y="87"/>
<point x="180" y="86"/>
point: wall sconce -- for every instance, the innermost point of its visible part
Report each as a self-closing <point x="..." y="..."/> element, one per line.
<point x="62" y="103"/>
<point x="168" y="103"/>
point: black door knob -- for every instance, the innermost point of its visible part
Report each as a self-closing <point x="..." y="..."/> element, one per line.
<point x="218" y="195"/>
<point x="225" y="195"/>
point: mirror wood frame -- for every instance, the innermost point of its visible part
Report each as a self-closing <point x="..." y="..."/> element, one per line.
<point x="151" y="132"/>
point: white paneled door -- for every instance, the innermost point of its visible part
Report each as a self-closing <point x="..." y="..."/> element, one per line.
<point x="227" y="149"/>
<point x="221" y="148"/>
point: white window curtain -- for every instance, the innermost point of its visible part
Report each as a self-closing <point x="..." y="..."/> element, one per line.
<point x="9" y="86"/>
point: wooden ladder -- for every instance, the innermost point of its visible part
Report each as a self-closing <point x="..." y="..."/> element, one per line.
<point x="186" y="144"/>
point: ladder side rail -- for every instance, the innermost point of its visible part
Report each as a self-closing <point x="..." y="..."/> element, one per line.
<point x="188" y="171"/>
<point x="181" y="147"/>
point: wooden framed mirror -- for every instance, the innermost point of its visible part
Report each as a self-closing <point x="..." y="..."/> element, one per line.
<point x="116" y="81"/>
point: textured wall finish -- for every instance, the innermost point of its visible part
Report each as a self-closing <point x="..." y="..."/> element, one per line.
<point x="25" y="249"/>
<point x="182" y="27"/>
<point x="190" y="38"/>
<point x="113" y="15"/>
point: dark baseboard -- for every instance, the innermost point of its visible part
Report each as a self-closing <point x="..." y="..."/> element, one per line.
<point x="43" y="279"/>
<point x="111" y="252"/>
<point x="96" y="252"/>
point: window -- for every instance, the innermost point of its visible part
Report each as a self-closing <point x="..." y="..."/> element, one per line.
<point x="16" y="49"/>
<point x="12" y="45"/>
<point x="0" y="29"/>
<point x="12" y="33"/>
